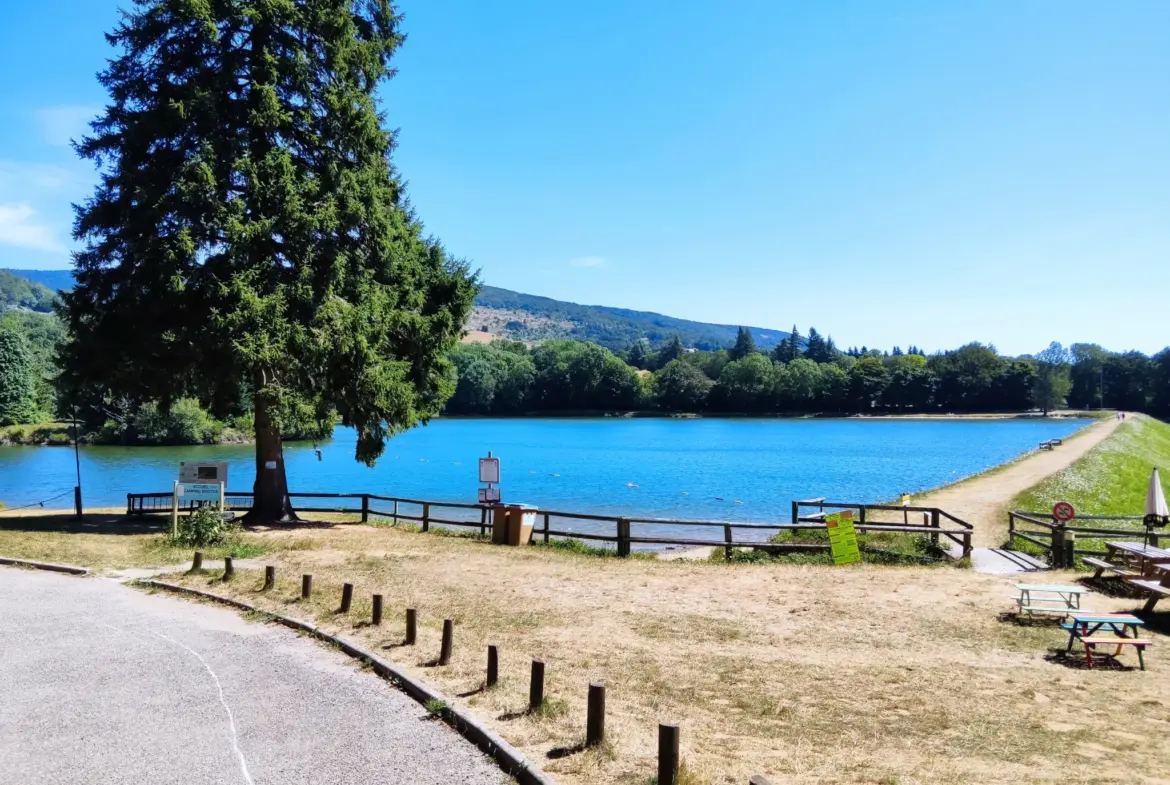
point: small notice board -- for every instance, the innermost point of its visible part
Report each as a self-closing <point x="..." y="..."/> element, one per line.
<point x="842" y="537"/>
<point x="187" y="492"/>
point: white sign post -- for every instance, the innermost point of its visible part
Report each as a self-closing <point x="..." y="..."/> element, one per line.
<point x="489" y="474"/>
<point x="194" y="492"/>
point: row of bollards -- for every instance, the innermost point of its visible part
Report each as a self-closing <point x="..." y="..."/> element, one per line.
<point x="668" y="735"/>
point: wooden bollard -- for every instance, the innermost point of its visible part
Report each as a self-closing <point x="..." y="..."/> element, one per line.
<point x="376" y="618"/>
<point x="668" y="737"/>
<point x="448" y="640"/>
<point x="306" y="586"/>
<point x="411" y="626"/>
<point x="493" y="667"/>
<point x="229" y="569"/>
<point x="346" y="597"/>
<point x="536" y="686"/>
<point x="197" y="561"/>
<point x="269" y="577"/>
<point x="595" y="716"/>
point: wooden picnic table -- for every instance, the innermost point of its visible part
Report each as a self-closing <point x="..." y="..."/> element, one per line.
<point x="1142" y="557"/>
<point x="1084" y="625"/>
<point x="1051" y="598"/>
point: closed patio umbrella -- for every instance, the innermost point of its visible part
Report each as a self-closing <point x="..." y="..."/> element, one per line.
<point x="1157" y="513"/>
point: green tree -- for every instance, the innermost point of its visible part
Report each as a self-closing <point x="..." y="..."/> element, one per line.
<point x="745" y="345"/>
<point x="803" y="382"/>
<point x="681" y="387"/>
<point x="1086" y="375"/>
<point x="868" y="379"/>
<point x="746" y="385"/>
<point x="1051" y="385"/>
<point x="574" y="375"/>
<point x="17" y="391"/>
<point x="673" y="350"/>
<point x="639" y="355"/>
<point x="1160" y="404"/>
<point x="249" y="237"/>
<point x="818" y="348"/>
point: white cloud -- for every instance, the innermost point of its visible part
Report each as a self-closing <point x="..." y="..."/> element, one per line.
<point x="62" y="124"/>
<point x="18" y="176"/>
<point x="587" y="261"/>
<point x="19" y="227"/>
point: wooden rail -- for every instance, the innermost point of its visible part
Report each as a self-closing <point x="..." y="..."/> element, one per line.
<point x="627" y="531"/>
<point x="1045" y="530"/>
<point x="932" y="520"/>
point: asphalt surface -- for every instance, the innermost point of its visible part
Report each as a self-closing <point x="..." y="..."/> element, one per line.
<point x="101" y="683"/>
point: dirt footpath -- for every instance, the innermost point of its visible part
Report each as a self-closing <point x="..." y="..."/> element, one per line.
<point x="983" y="501"/>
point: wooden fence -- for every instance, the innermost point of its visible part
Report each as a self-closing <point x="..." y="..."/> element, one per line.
<point x="627" y="531"/>
<point x="1042" y="530"/>
<point x="932" y="518"/>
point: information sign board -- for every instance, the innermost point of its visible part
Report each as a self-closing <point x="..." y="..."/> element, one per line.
<point x="842" y="537"/>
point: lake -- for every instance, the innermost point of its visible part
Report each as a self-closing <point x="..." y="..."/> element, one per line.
<point x="723" y="469"/>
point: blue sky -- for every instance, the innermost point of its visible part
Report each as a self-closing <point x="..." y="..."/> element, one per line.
<point x="891" y="173"/>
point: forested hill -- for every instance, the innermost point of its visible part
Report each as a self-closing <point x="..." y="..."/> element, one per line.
<point x="18" y="291"/>
<point x="528" y="317"/>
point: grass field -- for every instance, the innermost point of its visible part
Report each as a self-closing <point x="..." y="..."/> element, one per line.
<point x="1111" y="479"/>
<point x="805" y="673"/>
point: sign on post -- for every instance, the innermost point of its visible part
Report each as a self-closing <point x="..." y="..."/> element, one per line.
<point x="489" y="469"/>
<point x="1063" y="512"/>
<point x="187" y="492"/>
<point x="842" y="537"/>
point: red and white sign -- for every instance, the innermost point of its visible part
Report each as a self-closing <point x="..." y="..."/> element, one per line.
<point x="1063" y="512"/>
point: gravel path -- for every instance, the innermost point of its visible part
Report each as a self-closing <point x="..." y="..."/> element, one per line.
<point x="983" y="501"/>
<point x="106" y="684"/>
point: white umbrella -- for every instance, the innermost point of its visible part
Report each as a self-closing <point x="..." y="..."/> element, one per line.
<point x="1155" y="498"/>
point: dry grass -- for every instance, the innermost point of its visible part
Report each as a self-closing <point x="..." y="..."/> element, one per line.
<point x="809" y="674"/>
<point x="806" y="673"/>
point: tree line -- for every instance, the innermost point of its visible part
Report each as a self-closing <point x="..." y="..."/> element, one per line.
<point x="801" y="375"/>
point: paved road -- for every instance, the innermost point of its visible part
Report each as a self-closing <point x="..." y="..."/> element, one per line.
<point x="106" y="684"/>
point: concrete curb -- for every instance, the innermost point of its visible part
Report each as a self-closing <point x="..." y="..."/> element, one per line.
<point x="508" y="757"/>
<point x="40" y="565"/>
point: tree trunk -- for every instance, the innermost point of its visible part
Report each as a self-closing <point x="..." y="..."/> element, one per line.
<point x="270" y="501"/>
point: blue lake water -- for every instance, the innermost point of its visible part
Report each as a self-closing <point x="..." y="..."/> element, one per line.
<point x="722" y="469"/>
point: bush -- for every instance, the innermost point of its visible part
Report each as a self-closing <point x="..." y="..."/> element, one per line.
<point x="204" y="526"/>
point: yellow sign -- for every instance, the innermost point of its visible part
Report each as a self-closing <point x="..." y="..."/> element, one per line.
<point x="842" y="537"/>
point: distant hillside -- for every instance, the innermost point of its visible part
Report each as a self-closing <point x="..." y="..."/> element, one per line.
<point x="528" y="317"/>
<point x="53" y="279"/>
<point x="18" y="291"/>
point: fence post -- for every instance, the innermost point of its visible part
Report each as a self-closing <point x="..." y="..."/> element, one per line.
<point x="365" y="508"/>
<point x="668" y="737"/>
<point x="306" y="586"/>
<point x="426" y="516"/>
<point x="483" y="521"/>
<point x="346" y="597"/>
<point x="934" y="524"/>
<point x="197" y="561"/>
<point x="376" y="616"/>
<point x="448" y="641"/>
<point x="795" y="511"/>
<point x="967" y="544"/>
<point x="493" y="666"/>
<point x="395" y="512"/>
<point x="623" y="537"/>
<point x="1011" y="527"/>
<point x="1056" y="547"/>
<point x="411" y="626"/>
<point x="229" y="569"/>
<point x="595" y="716"/>
<point x="727" y="540"/>
<point x="536" y="686"/>
<point x="129" y="505"/>
<point x="1069" y="544"/>
<point x="269" y="577"/>
<point x="546" y="528"/>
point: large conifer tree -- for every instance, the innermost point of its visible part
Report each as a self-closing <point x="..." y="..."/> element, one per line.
<point x="249" y="238"/>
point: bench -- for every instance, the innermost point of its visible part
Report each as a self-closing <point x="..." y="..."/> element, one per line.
<point x="1138" y="643"/>
<point x="1103" y="565"/>
<point x="1030" y="609"/>
<point x="1157" y="590"/>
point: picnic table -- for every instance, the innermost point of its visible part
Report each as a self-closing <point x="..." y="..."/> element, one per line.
<point x="1044" y="598"/>
<point x="1143" y="558"/>
<point x="1084" y="625"/>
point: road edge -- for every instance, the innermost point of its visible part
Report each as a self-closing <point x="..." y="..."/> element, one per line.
<point x="40" y="565"/>
<point x="509" y="759"/>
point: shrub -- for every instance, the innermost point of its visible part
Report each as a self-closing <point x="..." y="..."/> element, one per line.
<point x="204" y="526"/>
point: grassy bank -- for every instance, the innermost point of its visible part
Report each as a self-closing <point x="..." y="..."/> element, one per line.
<point x="1112" y="478"/>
